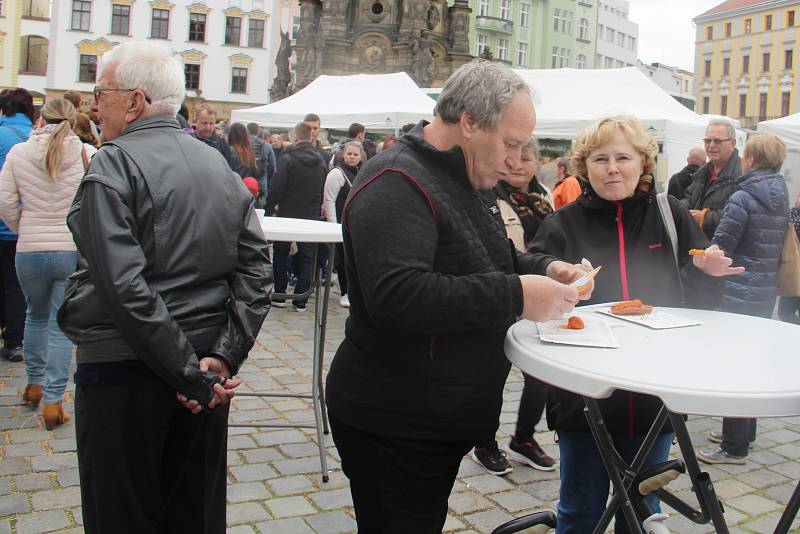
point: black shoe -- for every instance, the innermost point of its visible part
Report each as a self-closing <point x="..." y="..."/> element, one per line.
<point x="529" y="452"/>
<point x="12" y="355"/>
<point x="492" y="459"/>
<point x="299" y="307"/>
<point x="717" y="437"/>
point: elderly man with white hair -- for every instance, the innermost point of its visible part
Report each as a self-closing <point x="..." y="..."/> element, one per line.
<point x="171" y="289"/>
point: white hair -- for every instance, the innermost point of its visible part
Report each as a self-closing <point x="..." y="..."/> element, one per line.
<point x="152" y="68"/>
<point x="727" y="124"/>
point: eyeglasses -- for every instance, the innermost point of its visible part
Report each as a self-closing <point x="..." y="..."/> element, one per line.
<point x="716" y="141"/>
<point x="98" y="92"/>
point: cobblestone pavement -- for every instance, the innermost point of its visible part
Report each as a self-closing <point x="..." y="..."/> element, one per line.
<point x="274" y="483"/>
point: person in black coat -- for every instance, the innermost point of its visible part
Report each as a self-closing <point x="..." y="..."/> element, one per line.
<point x="715" y="181"/>
<point x="296" y="191"/>
<point x="205" y="132"/>
<point x="616" y="224"/>
<point x="681" y="180"/>
<point x="752" y="232"/>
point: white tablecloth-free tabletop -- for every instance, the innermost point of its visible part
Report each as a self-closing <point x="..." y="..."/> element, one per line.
<point x="731" y="365"/>
<point x="302" y="230"/>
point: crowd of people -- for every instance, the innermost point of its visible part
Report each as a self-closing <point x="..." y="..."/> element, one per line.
<point x="146" y="257"/>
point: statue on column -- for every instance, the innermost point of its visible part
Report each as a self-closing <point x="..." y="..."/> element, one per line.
<point x="313" y="51"/>
<point x="280" y="85"/>
<point x="422" y="59"/>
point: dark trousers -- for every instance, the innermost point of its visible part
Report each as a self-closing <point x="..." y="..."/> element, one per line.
<point x="13" y="300"/>
<point x="301" y="266"/>
<point x="398" y="485"/>
<point x="341" y="275"/>
<point x="531" y="406"/>
<point x="789" y="309"/>
<point x="737" y="435"/>
<point x="146" y="464"/>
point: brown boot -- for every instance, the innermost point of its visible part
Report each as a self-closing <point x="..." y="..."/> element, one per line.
<point x="33" y="395"/>
<point x="54" y="415"/>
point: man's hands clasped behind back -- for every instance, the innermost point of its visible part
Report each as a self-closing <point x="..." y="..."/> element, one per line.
<point x="223" y="391"/>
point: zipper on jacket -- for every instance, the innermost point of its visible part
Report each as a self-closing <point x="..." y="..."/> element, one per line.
<point x="623" y="268"/>
<point x="431" y="347"/>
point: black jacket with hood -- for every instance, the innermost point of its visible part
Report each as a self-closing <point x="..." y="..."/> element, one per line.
<point x="701" y="194"/>
<point x="171" y="263"/>
<point x="296" y="189"/>
<point x="629" y="240"/>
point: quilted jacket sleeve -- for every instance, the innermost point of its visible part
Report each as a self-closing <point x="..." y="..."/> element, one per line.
<point x="733" y="223"/>
<point x="9" y="195"/>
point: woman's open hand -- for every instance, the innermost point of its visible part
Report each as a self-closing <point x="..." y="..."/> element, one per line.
<point x="714" y="262"/>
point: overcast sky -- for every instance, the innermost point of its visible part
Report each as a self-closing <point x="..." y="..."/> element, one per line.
<point x="666" y="34"/>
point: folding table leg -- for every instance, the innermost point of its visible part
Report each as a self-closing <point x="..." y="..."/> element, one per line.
<point x="789" y="513"/>
<point x="323" y="327"/>
<point x="316" y="371"/>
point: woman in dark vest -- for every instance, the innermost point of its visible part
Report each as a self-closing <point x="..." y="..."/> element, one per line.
<point x="337" y="186"/>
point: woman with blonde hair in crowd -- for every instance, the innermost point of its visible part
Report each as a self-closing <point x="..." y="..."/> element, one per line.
<point x="83" y="129"/>
<point x="616" y="223"/>
<point x="37" y="185"/>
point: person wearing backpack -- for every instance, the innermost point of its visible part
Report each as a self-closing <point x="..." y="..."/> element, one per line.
<point x="265" y="160"/>
<point x="16" y="124"/>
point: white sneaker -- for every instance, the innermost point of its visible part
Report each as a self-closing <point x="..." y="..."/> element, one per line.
<point x="344" y="302"/>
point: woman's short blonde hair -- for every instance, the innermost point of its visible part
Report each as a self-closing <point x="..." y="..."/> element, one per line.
<point x="766" y="150"/>
<point x="602" y="131"/>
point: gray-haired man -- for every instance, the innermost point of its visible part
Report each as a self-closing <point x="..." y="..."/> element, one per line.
<point x="171" y="289"/>
<point x="434" y="285"/>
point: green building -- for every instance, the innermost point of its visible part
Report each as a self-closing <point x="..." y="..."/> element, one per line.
<point x="535" y="34"/>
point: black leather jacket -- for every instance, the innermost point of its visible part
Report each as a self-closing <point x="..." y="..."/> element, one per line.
<point x="172" y="261"/>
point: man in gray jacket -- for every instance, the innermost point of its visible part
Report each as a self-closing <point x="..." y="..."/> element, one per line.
<point x="171" y="289"/>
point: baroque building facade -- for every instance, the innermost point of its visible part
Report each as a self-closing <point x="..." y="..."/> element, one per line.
<point x="428" y="39"/>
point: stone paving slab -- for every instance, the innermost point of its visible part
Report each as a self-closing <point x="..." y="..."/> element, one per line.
<point x="273" y="474"/>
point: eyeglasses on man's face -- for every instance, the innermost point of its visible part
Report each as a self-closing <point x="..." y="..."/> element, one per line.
<point x="98" y="92"/>
<point x="716" y="140"/>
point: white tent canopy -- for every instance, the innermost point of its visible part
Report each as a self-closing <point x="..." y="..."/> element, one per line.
<point x="568" y="99"/>
<point x="788" y="129"/>
<point x="378" y="101"/>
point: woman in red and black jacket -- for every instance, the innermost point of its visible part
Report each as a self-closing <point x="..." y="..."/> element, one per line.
<point x="616" y="223"/>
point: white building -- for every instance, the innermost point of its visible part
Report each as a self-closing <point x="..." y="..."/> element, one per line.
<point x="677" y="82"/>
<point x="224" y="45"/>
<point x="617" y="36"/>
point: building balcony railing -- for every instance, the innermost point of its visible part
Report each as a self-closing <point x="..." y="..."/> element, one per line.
<point x="495" y="24"/>
<point x="587" y="3"/>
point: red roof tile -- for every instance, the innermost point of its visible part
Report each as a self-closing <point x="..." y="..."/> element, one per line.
<point x="732" y="4"/>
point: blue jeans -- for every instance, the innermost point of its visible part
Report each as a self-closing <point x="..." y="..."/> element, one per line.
<point x="585" y="482"/>
<point x="47" y="350"/>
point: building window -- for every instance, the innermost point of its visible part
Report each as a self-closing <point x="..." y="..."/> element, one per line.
<point x="556" y="19"/>
<point x="159" y="26"/>
<point x="565" y="56"/>
<point x="620" y="39"/>
<point x="768" y="23"/>
<point x="762" y="107"/>
<point x="522" y="54"/>
<point x="723" y="105"/>
<point x="483" y="8"/>
<point x="502" y="49"/>
<point x="709" y="33"/>
<point x="566" y="22"/>
<point x="788" y="57"/>
<point x="631" y="43"/>
<point x="239" y="80"/>
<point x="197" y="27"/>
<point x="705" y="105"/>
<point x="765" y="62"/>
<point x="708" y="68"/>
<point x="726" y="67"/>
<point x="88" y="69"/>
<point x="790" y="18"/>
<point x="233" y="30"/>
<point x="555" y="57"/>
<point x="583" y="30"/>
<point x="192" y="72"/>
<point x="748" y="26"/>
<point x="81" y="15"/>
<point x="743" y="105"/>
<point x="745" y="64"/>
<point x="601" y="31"/>
<point x="609" y="63"/>
<point x="786" y="100"/>
<point x="728" y="28"/>
<point x="524" y="15"/>
<point x="120" y="19"/>
<point x="505" y="9"/>
<point x="580" y="61"/>
<point x="481" y="42"/>
<point x="610" y="35"/>
<point x="255" y="36"/>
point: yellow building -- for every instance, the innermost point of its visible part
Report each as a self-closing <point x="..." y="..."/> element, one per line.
<point x="746" y="66"/>
<point x="9" y="31"/>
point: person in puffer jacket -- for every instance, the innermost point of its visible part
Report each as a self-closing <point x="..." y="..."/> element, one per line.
<point x="751" y="231"/>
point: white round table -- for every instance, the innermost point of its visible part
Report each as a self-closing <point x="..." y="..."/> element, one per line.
<point x="302" y="230"/>
<point x="730" y="365"/>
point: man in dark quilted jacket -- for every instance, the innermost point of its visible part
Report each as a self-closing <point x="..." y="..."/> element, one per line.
<point x="435" y="285"/>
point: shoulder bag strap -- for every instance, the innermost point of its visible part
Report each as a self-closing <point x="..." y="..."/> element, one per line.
<point x="669" y="223"/>
<point x="84" y="158"/>
<point x="17" y="132"/>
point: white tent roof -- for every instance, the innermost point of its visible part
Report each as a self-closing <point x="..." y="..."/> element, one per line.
<point x="378" y="101"/>
<point x="787" y="128"/>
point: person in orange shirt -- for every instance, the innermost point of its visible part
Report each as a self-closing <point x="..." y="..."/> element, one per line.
<point x="568" y="188"/>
